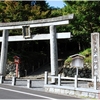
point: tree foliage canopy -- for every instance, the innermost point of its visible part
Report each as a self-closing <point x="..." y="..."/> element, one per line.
<point x="12" y="11"/>
<point x="86" y="19"/>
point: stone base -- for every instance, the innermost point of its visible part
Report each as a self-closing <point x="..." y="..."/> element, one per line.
<point x="75" y="93"/>
<point x="91" y="84"/>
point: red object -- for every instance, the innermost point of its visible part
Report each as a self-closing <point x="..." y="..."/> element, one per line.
<point x="17" y="69"/>
<point x="17" y="61"/>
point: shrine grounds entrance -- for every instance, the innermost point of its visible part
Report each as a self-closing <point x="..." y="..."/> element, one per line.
<point x="55" y="84"/>
<point x="27" y="36"/>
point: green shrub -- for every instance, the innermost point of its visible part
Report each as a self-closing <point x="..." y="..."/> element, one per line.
<point x="86" y="53"/>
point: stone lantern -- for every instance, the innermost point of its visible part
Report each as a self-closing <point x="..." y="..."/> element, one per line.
<point x="77" y="61"/>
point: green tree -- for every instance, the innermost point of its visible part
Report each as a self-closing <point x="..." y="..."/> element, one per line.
<point x="2" y="11"/>
<point x="44" y="6"/>
<point x="86" y="20"/>
<point x="14" y="11"/>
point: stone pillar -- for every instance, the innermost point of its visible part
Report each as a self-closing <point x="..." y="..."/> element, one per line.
<point x="13" y="81"/>
<point x="53" y="52"/>
<point x="4" y="48"/>
<point x="95" y="50"/>
<point x="29" y="83"/>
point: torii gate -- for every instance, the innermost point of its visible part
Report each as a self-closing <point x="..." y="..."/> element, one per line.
<point x="25" y="26"/>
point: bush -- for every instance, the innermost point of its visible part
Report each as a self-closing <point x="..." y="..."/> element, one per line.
<point x="87" y="60"/>
<point x="87" y="54"/>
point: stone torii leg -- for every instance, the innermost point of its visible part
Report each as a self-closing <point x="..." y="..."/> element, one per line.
<point x="4" y="48"/>
<point x="53" y="52"/>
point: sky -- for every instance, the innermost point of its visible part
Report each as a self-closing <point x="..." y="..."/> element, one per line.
<point x="55" y="3"/>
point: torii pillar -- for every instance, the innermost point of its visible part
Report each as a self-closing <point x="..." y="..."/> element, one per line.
<point x="53" y="52"/>
<point x="4" y="48"/>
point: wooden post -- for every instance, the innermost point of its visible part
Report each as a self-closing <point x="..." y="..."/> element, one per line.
<point x="4" y="49"/>
<point x="53" y="52"/>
